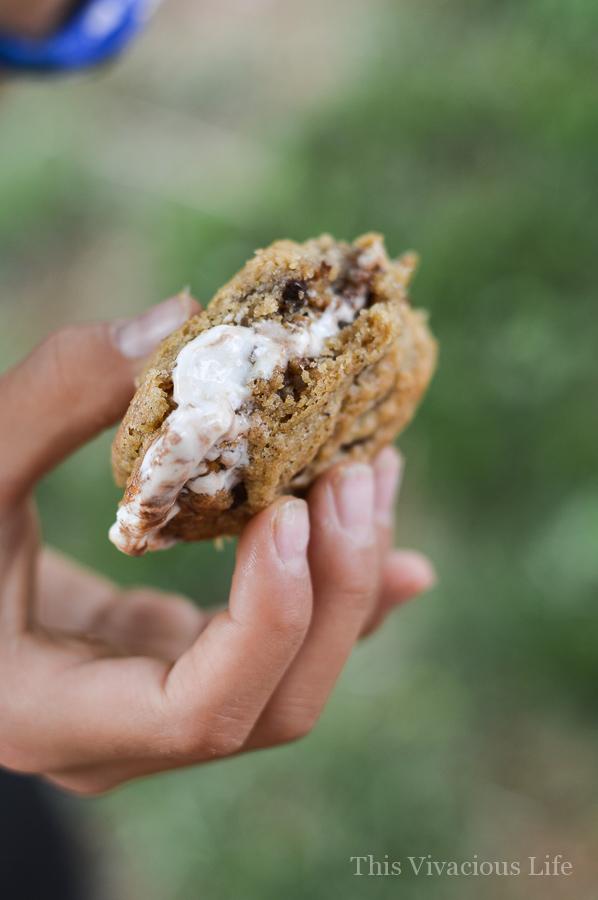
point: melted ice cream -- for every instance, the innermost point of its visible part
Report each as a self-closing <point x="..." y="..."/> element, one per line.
<point x="212" y="381"/>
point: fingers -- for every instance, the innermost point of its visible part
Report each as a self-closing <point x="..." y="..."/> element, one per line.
<point x="146" y="622"/>
<point x="138" y="710"/>
<point x="388" y="473"/>
<point x="217" y="690"/>
<point x="388" y="469"/>
<point x="356" y="581"/>
<point x="258" y="674"/>
<point x="343" y="558"/>
<point x="18" y="548"/>
<point x="74" y="601"/>
<point x="405" y="574"/>
<point x="73" y="385"/>
<point x="205" y="705"/>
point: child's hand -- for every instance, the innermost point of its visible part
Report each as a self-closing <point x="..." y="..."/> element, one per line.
<point x="99" y="685"/>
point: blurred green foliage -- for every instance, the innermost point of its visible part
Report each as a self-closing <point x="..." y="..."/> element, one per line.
<point x="469" y="726"/>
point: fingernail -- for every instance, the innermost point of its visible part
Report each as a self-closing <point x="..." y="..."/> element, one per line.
<point x="291" y="533"/>
<point x="353" y="488"/>
<point x="137" y="337"/>
<point x="388" y="472"/>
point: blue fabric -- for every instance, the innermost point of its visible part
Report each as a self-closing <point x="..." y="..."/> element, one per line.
<point x="97" y="31"/>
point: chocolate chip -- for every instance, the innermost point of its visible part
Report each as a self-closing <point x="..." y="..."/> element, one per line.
<point x="358" y="442"/>
<point x="239" y="493"/>
<point x="294" y="295"/>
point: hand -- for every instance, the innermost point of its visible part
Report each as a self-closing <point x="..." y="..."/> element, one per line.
<point x="99" y="685"/>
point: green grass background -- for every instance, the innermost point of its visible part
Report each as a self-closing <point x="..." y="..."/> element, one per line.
<point x="468" y="130"/>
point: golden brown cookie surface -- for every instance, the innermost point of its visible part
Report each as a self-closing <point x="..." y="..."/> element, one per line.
<point x="349" y="361"/>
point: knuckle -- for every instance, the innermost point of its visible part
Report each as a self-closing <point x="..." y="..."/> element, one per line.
<point x="297" y="727"/>
<point x="290" y="617"/>
<point x="220" y="743"/>
<point x="56" y="344"/>
<point x="213" y="737"/>
<point x="358" y="595"/>
<point x="357" y="581"/>
<point x="182" y="741"/>
<point x="354" y="588"/>
<point x="54" y="351"/>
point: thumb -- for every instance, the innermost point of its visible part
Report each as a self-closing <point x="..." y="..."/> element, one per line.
<point x="77" y="382"/>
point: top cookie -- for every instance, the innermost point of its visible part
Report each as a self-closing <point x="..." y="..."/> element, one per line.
<point x="310" y="354"/>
